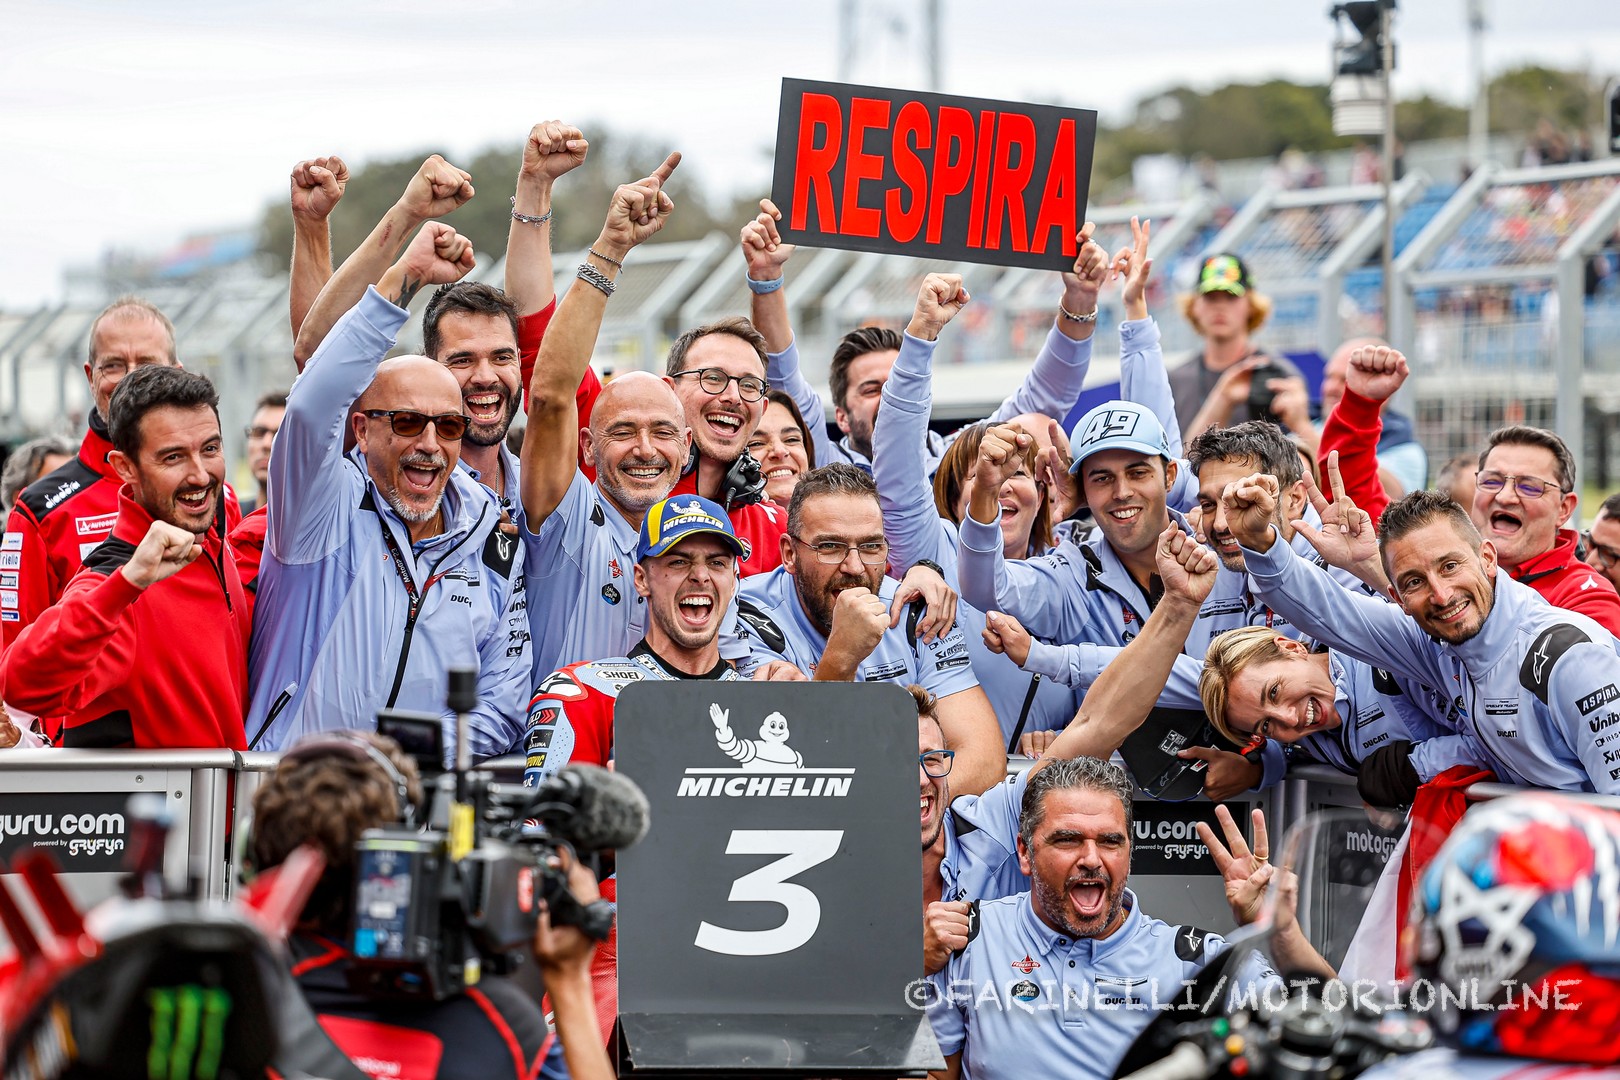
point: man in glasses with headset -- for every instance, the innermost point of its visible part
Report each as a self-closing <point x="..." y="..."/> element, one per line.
<point x="386" y="566"/>
<point x="830" y="611"/>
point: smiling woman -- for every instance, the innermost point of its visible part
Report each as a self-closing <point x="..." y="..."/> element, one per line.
<point x="783" y="446"/>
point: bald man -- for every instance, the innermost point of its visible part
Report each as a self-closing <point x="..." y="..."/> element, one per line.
<point x="580" y="537"/>
<point x="386" y="566"/>
<point x="1401" y="458"/>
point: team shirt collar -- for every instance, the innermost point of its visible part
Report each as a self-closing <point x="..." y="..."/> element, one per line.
<point x="642" y="649"/>
<point x="1044" y="940"/>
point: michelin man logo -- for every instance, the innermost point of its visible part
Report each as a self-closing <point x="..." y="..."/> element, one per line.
<point x="769" y="753"/>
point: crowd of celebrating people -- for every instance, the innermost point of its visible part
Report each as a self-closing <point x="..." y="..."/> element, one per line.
<point x="1199" y="560"/>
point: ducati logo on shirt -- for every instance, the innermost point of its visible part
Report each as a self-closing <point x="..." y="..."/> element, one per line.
<point x="1026" y="965"/>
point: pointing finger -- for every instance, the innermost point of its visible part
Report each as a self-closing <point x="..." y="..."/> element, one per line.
<point x="667" y="169"/>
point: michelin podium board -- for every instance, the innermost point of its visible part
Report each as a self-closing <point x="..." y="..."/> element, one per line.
<point x="764" y="921"/>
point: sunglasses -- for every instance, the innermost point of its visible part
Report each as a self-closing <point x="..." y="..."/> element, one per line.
<point x="449" y="426"/>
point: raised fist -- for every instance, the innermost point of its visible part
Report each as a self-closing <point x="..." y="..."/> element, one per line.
<point x="859" y="620"/>
<point x="437" y="188"/>
<point x="1376" y="371"/>
<point x="1250" y="508"/>
<point x="938" y="301"/>
<point x="437" y="255"/>
<point x="554" y="147"/>
<point x="317" y="187"/>
<point x="1186" y="567"/>
<point x="1001" y="455"/>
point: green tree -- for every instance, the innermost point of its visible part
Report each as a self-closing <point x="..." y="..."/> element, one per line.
<point x="1522" y="96"/>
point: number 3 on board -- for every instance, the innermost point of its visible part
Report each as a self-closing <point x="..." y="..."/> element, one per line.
<point x="800" y="850"/>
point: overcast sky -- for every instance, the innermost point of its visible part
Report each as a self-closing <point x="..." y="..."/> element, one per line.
<point x="133" y="124"/>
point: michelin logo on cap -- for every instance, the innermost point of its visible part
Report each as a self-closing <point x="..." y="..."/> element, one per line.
<point x="673" y="520"/>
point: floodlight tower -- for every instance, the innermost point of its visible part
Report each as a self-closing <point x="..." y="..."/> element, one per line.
<point x="1363" y="103"/>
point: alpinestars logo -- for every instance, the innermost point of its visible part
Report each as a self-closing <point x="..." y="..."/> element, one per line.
<point x="773" y="768"/>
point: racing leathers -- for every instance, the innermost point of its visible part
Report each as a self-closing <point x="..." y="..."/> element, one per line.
<point x="571" y="714"/>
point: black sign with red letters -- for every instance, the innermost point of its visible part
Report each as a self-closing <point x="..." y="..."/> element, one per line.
<point x="932" y="175"/>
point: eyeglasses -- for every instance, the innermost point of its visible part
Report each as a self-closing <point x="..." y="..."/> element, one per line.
<point x="834" y="552"/>
<point x="449" y="426"/>
<point x="714" y="381"/>
<point x="1607" y="557"/>
<point x="937" y="763"/>
<point x="260" y="432"/>
<point x="1528" y="487"/>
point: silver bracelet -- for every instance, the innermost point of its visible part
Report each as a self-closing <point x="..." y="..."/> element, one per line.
<point x="1090" y="317"/>
<point x="594" y="277"/>
<point x="529" y="219"/>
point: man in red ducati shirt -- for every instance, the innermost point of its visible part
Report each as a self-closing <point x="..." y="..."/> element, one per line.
<point x="1524" y="491"/>
<point x="63" y="515"/>
<point x="148" y="645"/>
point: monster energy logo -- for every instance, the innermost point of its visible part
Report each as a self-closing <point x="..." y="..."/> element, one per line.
<point x="188" y="1032"/>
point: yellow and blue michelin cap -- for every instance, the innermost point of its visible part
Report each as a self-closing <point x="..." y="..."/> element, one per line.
<point x="680" y="516"/>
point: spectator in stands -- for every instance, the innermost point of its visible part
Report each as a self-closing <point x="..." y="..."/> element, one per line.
<point x="1461" y="625"/>
<point x="1524" y="491"/>
<point x="830" y="611"/>
<point x="863" y="358"/>
<point x="261" y="435"/>
<point x="1212" y="386"/>
<point x="1456" y="479"/>
<point x="1082" y="920"/>
<point x="783" y="445"/>
<point x="1603" y="540"/>
<point x="686" y="573"/>
<point x="718" y="372"/>
<point x="1401" y="458"/>
<point x="326" y="791"/>
<point x="30" y="461"/>
<point x="389" y="552"/>
<point x="62" y="516"/>
<point x="148" y="645"/>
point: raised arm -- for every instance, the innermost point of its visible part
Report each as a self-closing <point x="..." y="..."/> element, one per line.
<point x="308" y="506"/>
<point x="911" y="522"/>
<point x="1368" y="628"/>
<point x="1129" y="687"/>
<point x="553" y="148"/>
<point x="1053" y="383"/>
<point x="765" y="259"/>
<point x="437" y="188"/>
<point x="551" y="440"/>
<point x="1356" y="423"/>
<point x="317" y="185"/>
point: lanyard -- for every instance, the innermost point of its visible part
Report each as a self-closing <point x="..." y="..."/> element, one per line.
<point x="397" y="557"/>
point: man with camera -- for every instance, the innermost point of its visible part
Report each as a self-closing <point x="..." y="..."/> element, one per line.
<point x="327" y="791"/>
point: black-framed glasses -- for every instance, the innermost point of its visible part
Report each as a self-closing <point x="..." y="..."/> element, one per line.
<point x="937" y="763"/>
<point x="1607" y="557"/>
<point x="1528" y="487"/>
<point x="260" y="432"/>
<point x="408" y="423"/>
<point x="714" y="381"/>
<point x="834" y="552"/>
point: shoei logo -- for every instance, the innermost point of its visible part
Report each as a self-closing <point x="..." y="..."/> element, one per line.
<point x="773" y="768"/>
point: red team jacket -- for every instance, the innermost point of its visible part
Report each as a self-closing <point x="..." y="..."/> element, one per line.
<point x="1353" y="428"/>
<point x="58" y="521"/>
<point x="104" y="657"/>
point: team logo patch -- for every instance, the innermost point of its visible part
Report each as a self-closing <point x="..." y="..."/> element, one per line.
<point x="1026" y="965"/>
<point x="1190" y="942"/>
<point x="10" y="560"/>
<point x="12" y="542"/>
<point x="8" y="581"/>
<point x="95" y="526"/>
<point x="1026" y="991"/>
<point x="613" y="568"/>
<point x="611" y="594"/>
